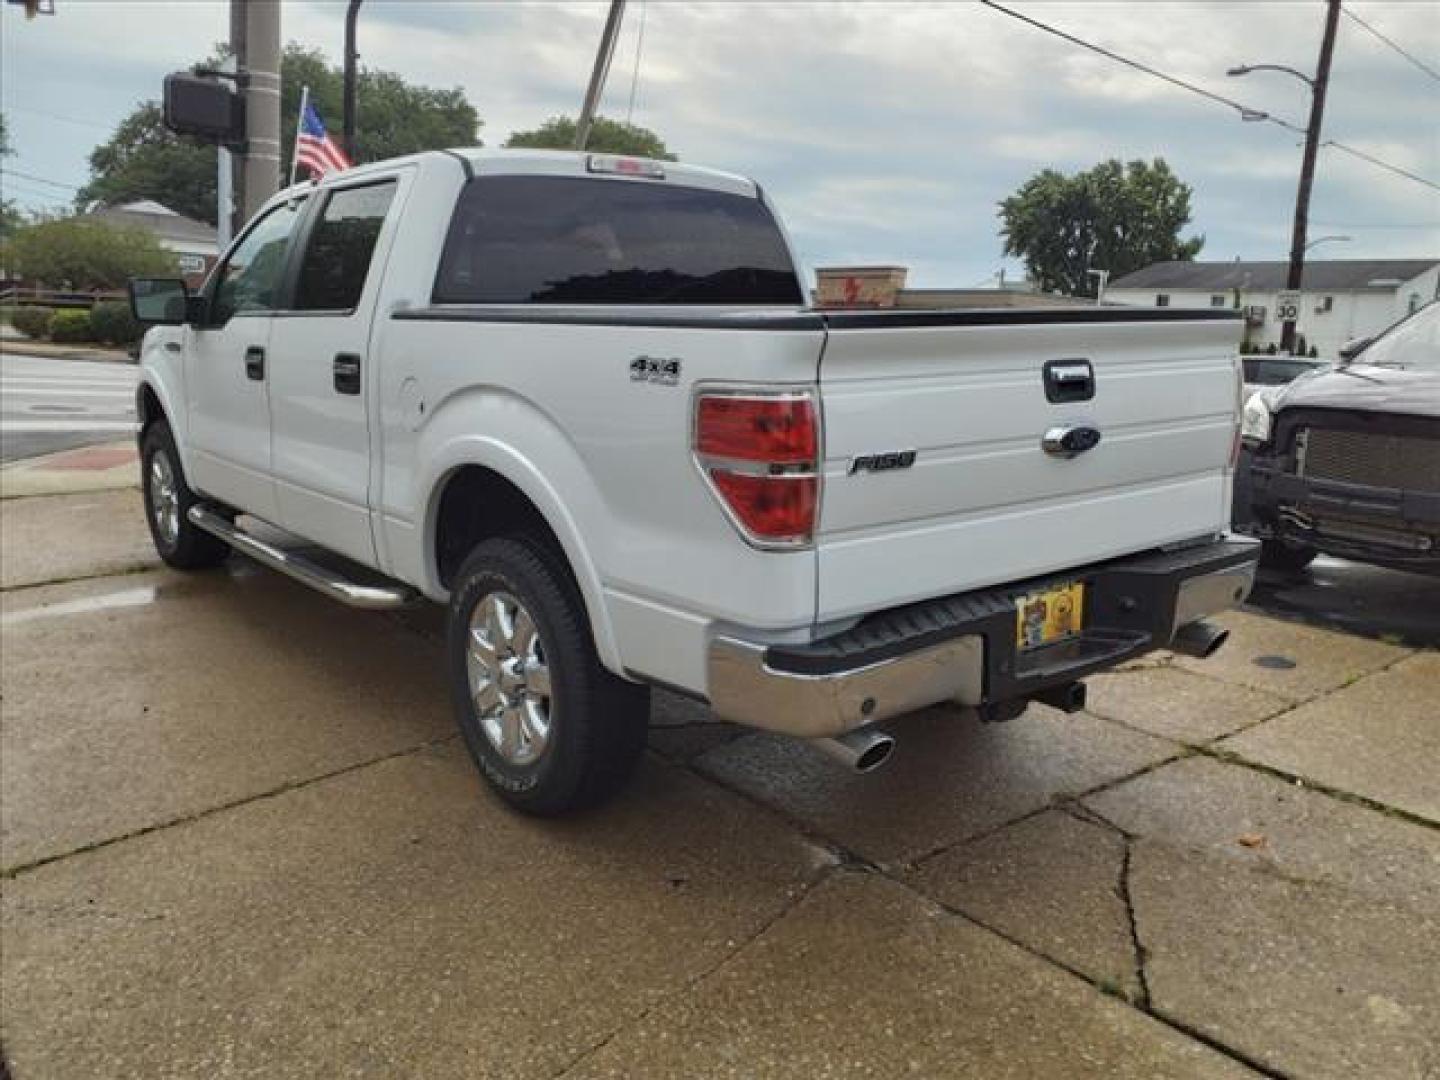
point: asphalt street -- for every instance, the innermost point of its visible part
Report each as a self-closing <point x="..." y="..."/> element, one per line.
<point x="49" y="404"/>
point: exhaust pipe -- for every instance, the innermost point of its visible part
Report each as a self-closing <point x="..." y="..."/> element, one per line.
<point x="860" y="751"/>
<point x="1068" y="697"/>
<point x="1199" y="638"/>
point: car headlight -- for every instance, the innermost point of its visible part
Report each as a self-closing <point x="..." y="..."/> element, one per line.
<point x="1255" y="418"/>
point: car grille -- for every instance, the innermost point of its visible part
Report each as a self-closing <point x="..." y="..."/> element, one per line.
<point x="1360" y="457"/>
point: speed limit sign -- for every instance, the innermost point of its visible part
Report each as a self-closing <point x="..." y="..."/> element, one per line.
<point x="1287" y="306"/>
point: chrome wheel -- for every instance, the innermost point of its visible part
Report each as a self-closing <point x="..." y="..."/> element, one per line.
<point x="164" y="498"/>
<point x="509" y="678"/>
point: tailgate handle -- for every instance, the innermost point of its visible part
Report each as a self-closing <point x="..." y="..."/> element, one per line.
<point x="1068" y="380"/>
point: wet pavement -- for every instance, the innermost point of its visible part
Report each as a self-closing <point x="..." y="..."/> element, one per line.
<point x="240" y="838"/>
<point x="1394" y="605"/>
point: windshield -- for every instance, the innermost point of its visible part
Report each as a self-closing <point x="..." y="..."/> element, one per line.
<point x="1413" y="342"/>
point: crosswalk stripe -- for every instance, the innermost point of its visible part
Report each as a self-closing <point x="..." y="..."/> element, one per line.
<point x="67" y="425"/>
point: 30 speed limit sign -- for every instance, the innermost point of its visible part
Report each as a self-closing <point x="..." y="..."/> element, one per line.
<point x="1287" y="306"/>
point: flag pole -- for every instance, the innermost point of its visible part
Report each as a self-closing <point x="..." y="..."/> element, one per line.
<point x="299" y="123"/>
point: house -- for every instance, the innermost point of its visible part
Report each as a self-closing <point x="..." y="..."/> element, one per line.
<point x="193" y="242"/>
<point x="1341" y="299"/>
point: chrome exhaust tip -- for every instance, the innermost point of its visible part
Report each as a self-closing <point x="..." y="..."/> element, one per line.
<point x="1199" y="638"/>
<point x="859" y="751"/>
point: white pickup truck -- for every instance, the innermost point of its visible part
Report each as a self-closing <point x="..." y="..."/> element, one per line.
<point x="583" y="401"/>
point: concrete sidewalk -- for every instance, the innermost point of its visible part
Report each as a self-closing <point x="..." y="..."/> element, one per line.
<point x="240" y="838"/>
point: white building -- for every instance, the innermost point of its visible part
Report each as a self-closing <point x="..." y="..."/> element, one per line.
<point x="193" y="242"/>
<point x="1340" y="299"/>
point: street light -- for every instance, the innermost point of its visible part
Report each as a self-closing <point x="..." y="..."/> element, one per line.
<point x="1322" y="239"/>
<point x="1317" y="86"/>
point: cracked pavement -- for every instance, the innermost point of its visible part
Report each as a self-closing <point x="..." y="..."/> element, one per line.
<point x="239" y="838"/>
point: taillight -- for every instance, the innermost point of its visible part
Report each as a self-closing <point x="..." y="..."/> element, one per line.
<point x="760" y="452"/>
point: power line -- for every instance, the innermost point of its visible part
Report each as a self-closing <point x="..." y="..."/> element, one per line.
<point x="635" y="74"/>
<point x="1426" y="68"/>
<point x="1245" y="111"/>
<point x="38" y="179"/>
<point x="57" y="116"/>
<point x="1382" y="164"/>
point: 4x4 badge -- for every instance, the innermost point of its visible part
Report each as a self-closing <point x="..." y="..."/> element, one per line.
<point x="664" y="371"/>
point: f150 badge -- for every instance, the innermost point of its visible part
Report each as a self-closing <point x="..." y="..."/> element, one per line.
<point x="661" y="370"/>
<point x="894" y="459"/>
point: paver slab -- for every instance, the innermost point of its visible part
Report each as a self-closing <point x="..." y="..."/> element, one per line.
<point x="1052" y="882"/>
<point x="950" y="777"/>
<point x="55" y="538"/>
<point x="1260" y="822"/>
<point x="865" y="979"/>
<point x="133" y="701"/>
<point x="393" y="921"/>
<point x="1310" y="979"/>
<point x="1379" y="737"/>
<point x="1179" y="704"/>
<point x="1322" y="659"/>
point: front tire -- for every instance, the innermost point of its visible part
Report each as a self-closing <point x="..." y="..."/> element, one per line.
<point x="168" y="499"/>
<point x="548" y="726"/>
<point x="1285" y="558"/>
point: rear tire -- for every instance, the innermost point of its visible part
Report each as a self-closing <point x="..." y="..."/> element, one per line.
<point x="548" y="726"/>
<point x="168" y="500"/>
<point x="1285" y="558"/>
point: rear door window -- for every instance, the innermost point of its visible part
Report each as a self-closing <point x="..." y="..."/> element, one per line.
<point x="572" y="240"/>
<point x="337" y="257"/>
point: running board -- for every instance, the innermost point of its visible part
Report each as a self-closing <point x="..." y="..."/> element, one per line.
<point x="306" y="571"/>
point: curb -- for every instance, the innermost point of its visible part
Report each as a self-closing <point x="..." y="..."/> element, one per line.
<point x="24" y="347"/>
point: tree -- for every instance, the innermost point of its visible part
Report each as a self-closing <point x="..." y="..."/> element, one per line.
<point x="606" y="137"/>
<point x="9" y="216"/>
<point x="1114" y="217"/>
<point x="77" y="253"/>
<point x="143" y="160"/>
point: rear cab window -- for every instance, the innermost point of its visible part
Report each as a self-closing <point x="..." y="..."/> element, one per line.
<point x="591" y="240"/>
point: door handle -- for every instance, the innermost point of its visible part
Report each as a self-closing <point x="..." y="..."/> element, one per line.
<point x="255" y="363"/>
<point x="347" y="373"/>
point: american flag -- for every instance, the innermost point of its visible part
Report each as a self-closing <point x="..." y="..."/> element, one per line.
<point x="314" y="148"/>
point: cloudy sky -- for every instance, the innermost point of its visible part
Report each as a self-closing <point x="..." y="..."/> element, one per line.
<point x="887" y="132"/>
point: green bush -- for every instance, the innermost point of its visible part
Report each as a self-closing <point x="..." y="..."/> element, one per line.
<point x="70" y="325"/>
<point x="33" y="322"/>
<point x="112" y="323"/>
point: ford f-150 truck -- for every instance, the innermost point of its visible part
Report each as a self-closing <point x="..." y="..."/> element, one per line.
<point x="583" y="400"/>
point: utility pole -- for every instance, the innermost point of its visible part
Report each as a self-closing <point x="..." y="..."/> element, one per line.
<point x="1307" y="165"/>
<point x="352" y="13"/>
<point x="255" y="41"/>
<point x="597" y="76"/>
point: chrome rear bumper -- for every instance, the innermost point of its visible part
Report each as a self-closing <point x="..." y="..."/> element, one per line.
<point x="962" y="649"/>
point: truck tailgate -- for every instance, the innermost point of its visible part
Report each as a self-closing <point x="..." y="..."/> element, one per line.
<point x="983" y="503"/>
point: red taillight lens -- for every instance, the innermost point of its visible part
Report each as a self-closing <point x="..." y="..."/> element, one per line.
<point x="761" y="454"/>
<point x="773" y="508"/>
<point x="774" y="430"/>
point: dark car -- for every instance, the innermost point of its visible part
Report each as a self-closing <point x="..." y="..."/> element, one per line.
<point x="1346" y="460"/>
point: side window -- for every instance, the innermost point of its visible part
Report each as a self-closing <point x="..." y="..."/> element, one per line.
<point x="250" y="279"/>
<point x="332" y="274"/>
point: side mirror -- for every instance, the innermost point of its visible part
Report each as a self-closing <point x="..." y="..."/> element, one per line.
<point x="1353" y="347"/>
<point x="162" y="301"/>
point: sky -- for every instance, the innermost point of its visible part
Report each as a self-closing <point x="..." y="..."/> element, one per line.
<point x="885" y="132"/>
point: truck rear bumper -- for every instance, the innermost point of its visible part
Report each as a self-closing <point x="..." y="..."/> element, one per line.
<point x="963" y="649"/>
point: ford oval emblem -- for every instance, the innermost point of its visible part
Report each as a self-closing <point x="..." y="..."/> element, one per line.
<point x="1070" y="441"/>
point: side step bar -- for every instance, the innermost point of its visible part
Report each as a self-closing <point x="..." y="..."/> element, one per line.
<point x="308" y="572"/>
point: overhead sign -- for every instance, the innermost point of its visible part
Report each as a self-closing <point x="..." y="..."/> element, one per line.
<point x="1287" y="305"/>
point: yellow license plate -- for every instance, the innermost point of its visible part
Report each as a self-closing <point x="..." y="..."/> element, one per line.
<point x="1050" y="615"/>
